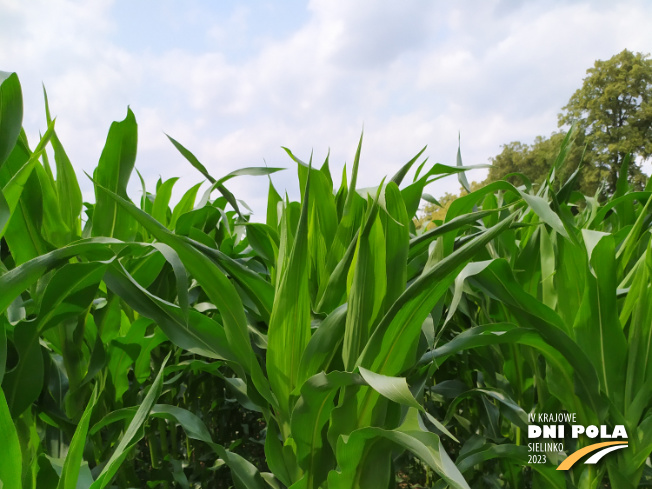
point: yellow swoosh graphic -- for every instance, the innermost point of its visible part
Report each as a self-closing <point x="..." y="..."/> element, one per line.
<point x="575" y="456"/>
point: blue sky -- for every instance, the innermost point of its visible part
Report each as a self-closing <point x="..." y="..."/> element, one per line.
<point x="235" y="81"/>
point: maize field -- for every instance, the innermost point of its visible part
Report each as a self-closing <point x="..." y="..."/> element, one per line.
<point x="336" y="345"/>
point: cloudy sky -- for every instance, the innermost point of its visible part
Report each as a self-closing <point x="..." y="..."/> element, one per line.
<point x="234" y="81"/>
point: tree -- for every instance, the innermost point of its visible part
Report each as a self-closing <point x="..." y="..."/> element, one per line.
<point x="613" y="115"/>
<point x="613" y="111"/>
<point x="535" y="161"/>
<point x="434" y="214"/>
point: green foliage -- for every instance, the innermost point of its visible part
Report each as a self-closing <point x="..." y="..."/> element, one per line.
<point x="612" y="115"/>
<point x="534" y="162"/>
<point x="333" y="346"/>
<point x="613" y="109"/>
<point x="434" y="212"/>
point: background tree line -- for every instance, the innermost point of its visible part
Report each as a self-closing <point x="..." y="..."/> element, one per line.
<point x="612" y="113"/>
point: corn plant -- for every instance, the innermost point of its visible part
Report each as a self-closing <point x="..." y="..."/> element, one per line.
<point x="134" y="338"/>
<point x="569" y="286"/>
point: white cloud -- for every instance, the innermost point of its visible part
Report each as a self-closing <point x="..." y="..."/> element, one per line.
<point x="412" y="73"/>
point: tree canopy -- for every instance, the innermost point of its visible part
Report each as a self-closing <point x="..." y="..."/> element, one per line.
<point x="612" y="114"/>
<point x="535" y="161"/>
<point x="613" y="111"/>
